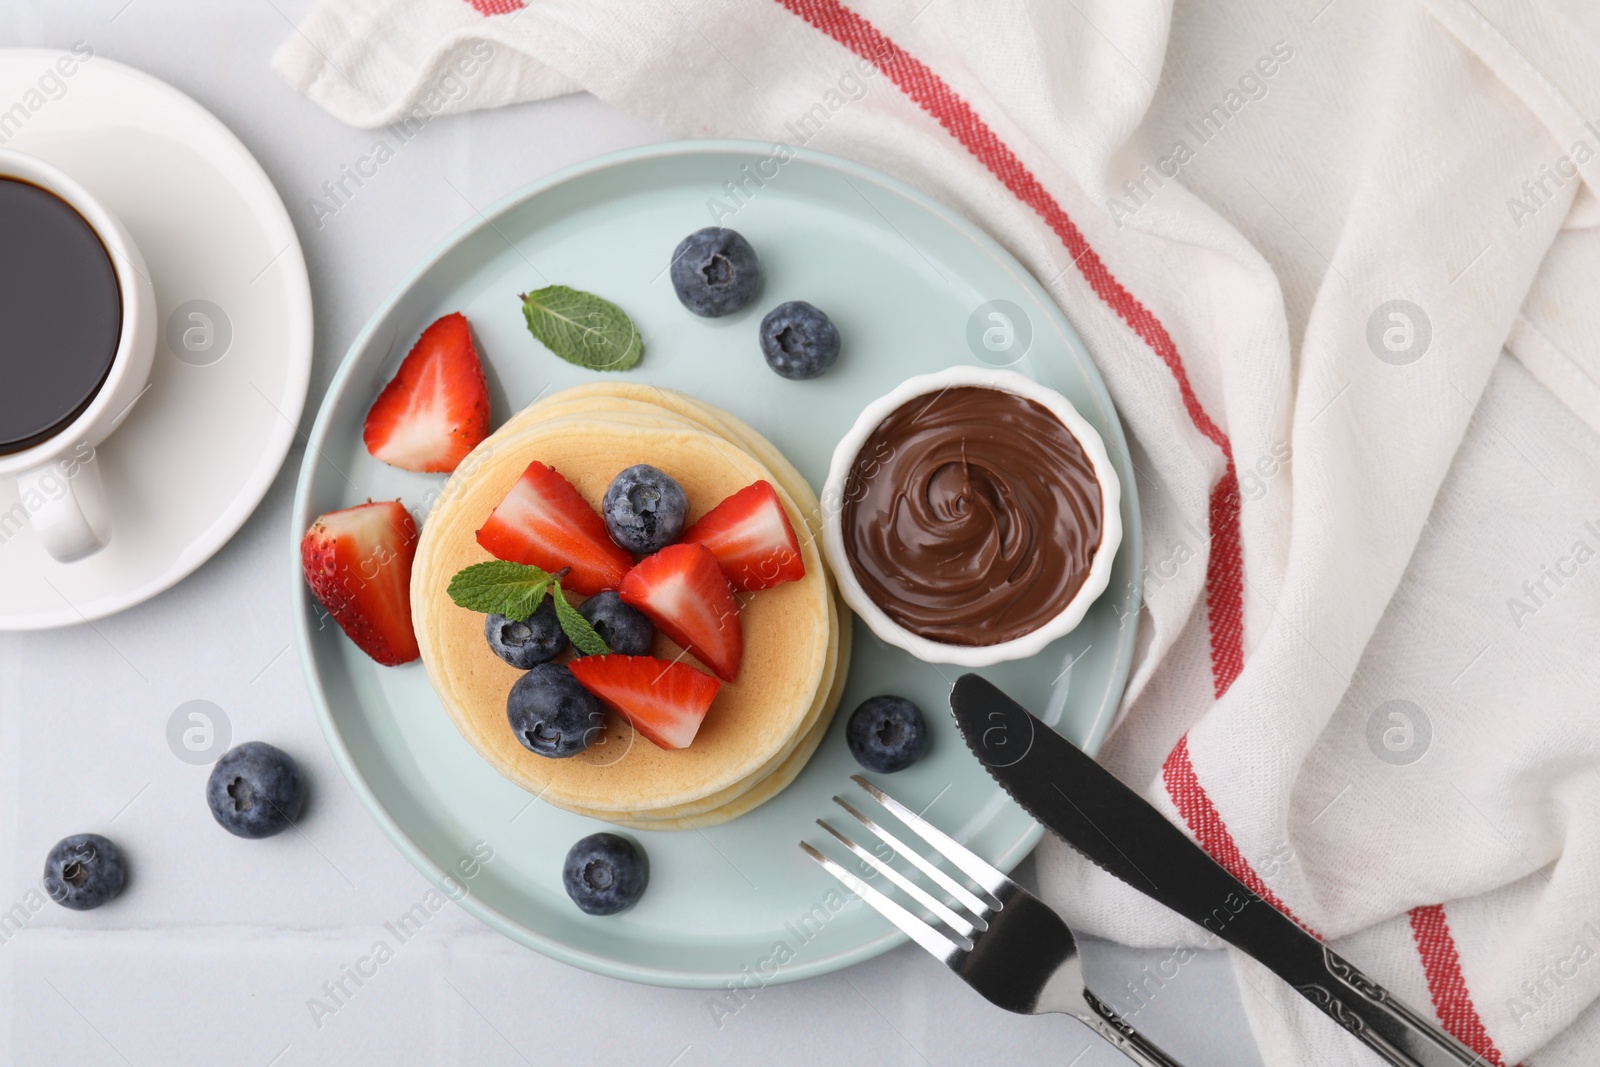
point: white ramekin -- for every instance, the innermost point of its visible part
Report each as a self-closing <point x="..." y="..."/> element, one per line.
<point x="833" y="497"/>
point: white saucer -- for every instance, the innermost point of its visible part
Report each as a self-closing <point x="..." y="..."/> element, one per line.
<point x="200" y="448"/>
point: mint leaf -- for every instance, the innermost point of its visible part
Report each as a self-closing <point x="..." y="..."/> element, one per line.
<point x="582" y="328"/>
<point x="577" y="628"/>
<point x="498" y="587"/>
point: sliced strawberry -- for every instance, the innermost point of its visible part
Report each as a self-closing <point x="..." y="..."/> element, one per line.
<point x="436" y="409"/>
<point x="544" y="522"/>
<point x="358" y="563"/>
<point x="682" y="590"/>
<point x="751" y="537"/>
<point x="665" y="701"/>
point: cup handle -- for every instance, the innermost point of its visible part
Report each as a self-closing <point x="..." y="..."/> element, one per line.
<point x="73" y="521"/>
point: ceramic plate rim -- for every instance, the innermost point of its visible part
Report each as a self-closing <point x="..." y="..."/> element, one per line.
<point x="300" y="518"/>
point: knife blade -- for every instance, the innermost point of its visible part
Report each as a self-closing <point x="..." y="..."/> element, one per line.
<point x="1116" y="828"/>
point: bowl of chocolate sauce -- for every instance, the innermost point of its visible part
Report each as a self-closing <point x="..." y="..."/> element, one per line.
<point x="971" y="516"/>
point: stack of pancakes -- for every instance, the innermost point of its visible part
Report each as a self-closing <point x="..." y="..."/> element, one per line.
<point x="761" y="729"/>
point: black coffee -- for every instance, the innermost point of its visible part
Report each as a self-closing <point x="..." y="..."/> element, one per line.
<point x="60" y="314"/>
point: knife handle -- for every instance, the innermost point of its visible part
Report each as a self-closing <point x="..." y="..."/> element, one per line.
<point x="1369" y="1012"/>
<point x="1124" y="1038"/>
<point x="1383" y="1022"/>
<point x="1122" y="832"/>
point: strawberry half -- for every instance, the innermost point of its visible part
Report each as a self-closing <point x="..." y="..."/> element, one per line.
<point x="544" y="522"/>
<point x="358" y="563"/>
<point x="751" y="537"/>
<point x="436" y="409"/>
<point x="681" y="589"/>
<point x="664" y="701"/>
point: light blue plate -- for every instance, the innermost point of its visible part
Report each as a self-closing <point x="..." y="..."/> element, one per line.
<point x="901" y="276"/>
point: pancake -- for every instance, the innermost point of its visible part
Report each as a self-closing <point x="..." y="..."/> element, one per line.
<point x="779" y="779"/>
<point x="633" y="396"/>
<point x="696" y="411"/>
<point x="759" y="731"/>
<point x="681" y="808"/>
<point x="822" y="704"/>
<point x="752" y="720"/>
<point x="603" y="397"/>
<point x="760" y="785"/>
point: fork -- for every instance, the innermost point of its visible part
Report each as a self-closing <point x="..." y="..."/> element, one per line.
<point x="1002" y="940"/>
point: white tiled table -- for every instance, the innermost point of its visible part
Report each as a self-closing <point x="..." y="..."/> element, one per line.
<point x="217" y="946"/>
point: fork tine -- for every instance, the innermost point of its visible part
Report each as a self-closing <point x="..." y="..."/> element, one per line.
<point x="985" y="875"/>
<point x="936" y="943"/>
<point x="967" y="898"/>
<point x="955" y="922"/>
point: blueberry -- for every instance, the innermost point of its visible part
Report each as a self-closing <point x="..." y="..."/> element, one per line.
<point x="644" y="509"/>
<point x="535" y="640"/>
<point x="84" y="871"/>
<point x="715" y="272"/>
<point x="255" y="790"/>
<point x="552" y="714"/>
<point x="605" y="873"/>
<point x="798" y="340"/>
<point x="624" y="629"/>
<point x="886" y="734"/>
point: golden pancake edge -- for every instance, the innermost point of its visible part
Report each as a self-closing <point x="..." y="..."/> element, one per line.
<point x="761" y="729"/>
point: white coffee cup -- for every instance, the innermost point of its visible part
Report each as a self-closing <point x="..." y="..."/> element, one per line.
<point x="59" y="479"/>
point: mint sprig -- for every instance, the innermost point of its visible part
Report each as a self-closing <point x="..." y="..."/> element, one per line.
<point x="582" y="328"/>
<point x="515" y="590"/>
<point x="577" y="628"/>
<point x="499" y="587"/>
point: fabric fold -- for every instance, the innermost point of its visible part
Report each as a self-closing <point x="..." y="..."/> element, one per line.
<point x="1302" y="247"/>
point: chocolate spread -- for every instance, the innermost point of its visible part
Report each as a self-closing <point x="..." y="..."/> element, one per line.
<point x="971" y="516"/>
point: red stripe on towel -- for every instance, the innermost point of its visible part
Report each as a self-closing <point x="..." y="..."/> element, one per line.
<point x="1447" y="985"/>
<point x="1224" y="572"/>
<point x="495" y="7"/>
<point x="1205" y="822"/>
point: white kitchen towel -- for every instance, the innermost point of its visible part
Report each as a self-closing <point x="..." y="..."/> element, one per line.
<point x="1335" y="261"/>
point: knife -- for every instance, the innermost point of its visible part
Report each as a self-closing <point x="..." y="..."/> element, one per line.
<point x="1085" y="805"/>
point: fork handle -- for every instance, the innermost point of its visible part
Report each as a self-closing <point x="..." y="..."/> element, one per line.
<point x="1123" y="1037"/>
